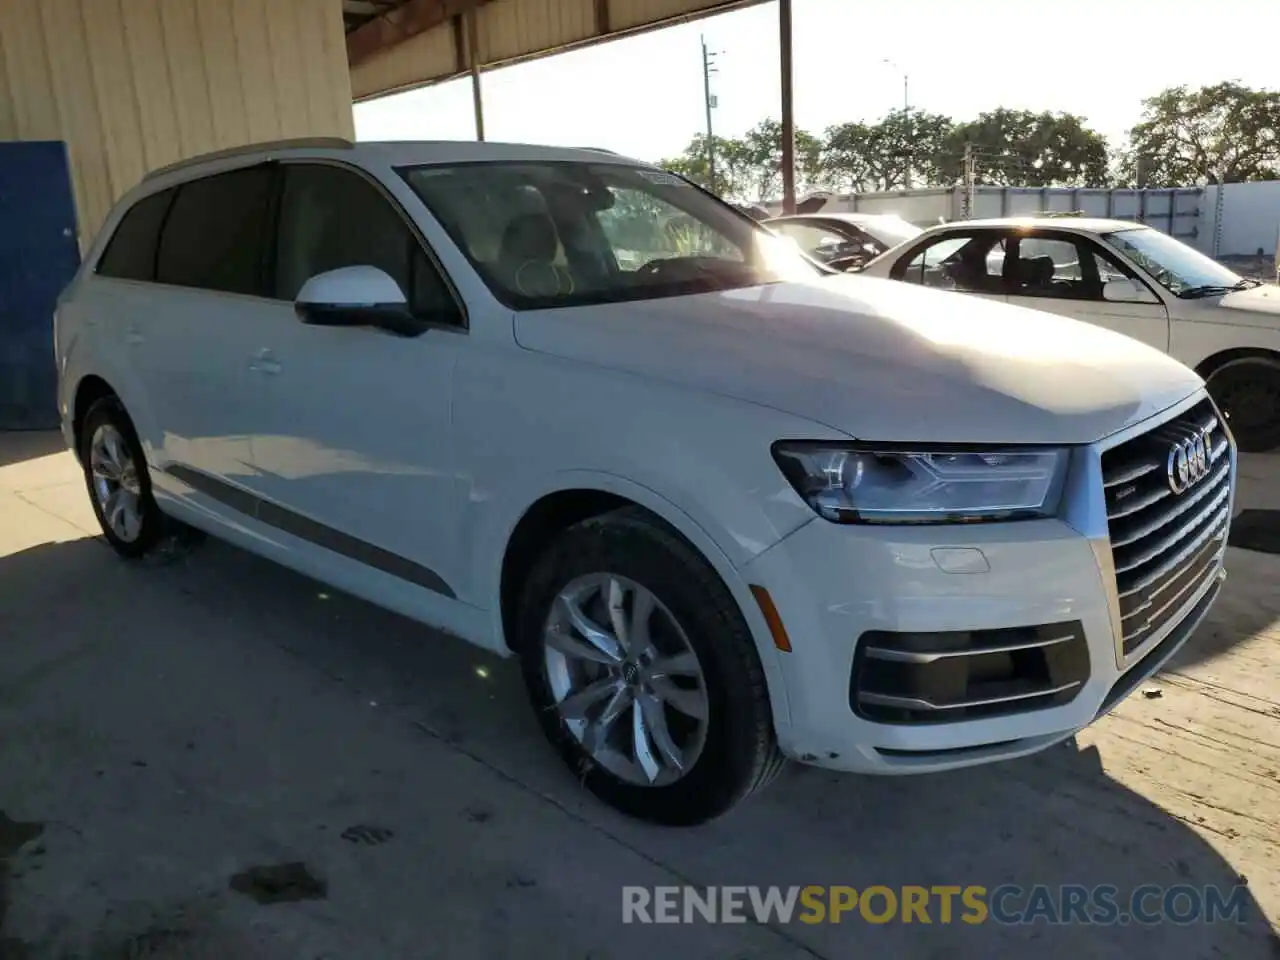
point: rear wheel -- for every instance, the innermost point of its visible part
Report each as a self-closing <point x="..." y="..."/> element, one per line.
<point x="115" y="472"/>
<point x="644" y="673"/>
<point x="1247" y="390"/>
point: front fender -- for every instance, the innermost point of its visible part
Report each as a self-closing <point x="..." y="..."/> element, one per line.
<point x="705" y="541"/>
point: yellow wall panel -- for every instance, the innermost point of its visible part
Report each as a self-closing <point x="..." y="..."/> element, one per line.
<point x="30" y="81"/>
<point x="222" y="71"/>
<point x="8" y="116"/>
<point x="131" y="85"/>
<point x="117" y="97"/>
<point x="82" y="127"/>
<point x="510" y="28"/>
<point x="184" y="54"/>
<point x="249" y="23"/>
<point x="153" y="85"/>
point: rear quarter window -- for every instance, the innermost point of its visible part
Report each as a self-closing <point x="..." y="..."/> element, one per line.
<point x="131" y="251"/>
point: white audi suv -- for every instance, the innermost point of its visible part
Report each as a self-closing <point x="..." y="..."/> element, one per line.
<point x="725" y="507"/>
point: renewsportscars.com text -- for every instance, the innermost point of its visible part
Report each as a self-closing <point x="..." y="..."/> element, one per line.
<point x="1065" y="904"/>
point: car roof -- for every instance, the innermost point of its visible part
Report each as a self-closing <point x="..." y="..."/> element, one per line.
<point x="1067" y="224"/>
<point x="389" y="152"/>
<point x="855" y="218"/>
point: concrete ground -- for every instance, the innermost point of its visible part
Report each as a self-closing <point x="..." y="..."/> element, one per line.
<point x="165" y="728"/>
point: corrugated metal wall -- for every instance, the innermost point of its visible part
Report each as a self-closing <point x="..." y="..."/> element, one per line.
<point x="134" y="84"/>
<point x="512" y="30"/>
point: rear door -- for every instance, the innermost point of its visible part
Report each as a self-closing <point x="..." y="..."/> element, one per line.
<point x="1064" y="273"/>
<point x="192" y="334"/>
<point x="965" y="261"/>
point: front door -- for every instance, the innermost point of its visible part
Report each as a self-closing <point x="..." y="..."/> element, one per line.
<point x="38" y="257"/>
<point x="1065" y="273"/>
<point x="358" y="439"/>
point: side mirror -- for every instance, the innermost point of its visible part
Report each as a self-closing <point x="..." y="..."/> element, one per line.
<point x="360" y="296"/>
<point x="1127" y="291"/>
<point x="851" y="264"/>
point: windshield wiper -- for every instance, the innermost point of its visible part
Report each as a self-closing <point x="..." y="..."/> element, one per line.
<point x="1213" y="289"/>
<point x="1207" y="290"/>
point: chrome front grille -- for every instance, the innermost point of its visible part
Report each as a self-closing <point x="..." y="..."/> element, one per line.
<point x="1168" y="496"/>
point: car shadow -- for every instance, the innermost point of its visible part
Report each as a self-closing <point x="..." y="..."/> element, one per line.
<point x="17" y="446"/>
<point x="1053" y="819"/>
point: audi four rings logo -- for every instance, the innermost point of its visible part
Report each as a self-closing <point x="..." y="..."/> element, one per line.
<point x="1189" y="460"/>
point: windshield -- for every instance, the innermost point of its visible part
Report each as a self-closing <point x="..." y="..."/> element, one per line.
<point x="1177" y="267"/>
<point x="558" y="234"/>
<point x="891" y="231"/>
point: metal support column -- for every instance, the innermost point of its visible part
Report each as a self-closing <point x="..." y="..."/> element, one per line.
<point x="788" y="112"/>
<point x="473" y="60"/>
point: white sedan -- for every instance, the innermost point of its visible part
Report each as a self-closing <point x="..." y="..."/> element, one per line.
<point x="1126" y="277"/>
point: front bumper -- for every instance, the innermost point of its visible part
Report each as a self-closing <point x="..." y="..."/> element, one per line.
<point x="838" y="587"/>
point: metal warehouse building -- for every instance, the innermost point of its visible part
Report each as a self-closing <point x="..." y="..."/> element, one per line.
<point x="131" y="85"/>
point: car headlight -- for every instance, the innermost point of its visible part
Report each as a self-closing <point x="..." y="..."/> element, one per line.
<point x="848" y="484"/>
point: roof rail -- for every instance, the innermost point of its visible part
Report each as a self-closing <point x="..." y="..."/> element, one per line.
<point x="327" y="143"/>
<point x="602" y="150"/>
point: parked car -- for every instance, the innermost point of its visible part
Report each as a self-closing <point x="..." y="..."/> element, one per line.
<point x="725" y="506"/>
<point x="844" y="241"/>
<point x="1128" y="278"/>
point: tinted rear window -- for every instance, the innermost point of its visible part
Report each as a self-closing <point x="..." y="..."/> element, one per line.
<point x="131" y="252"/>
<point x="213" y="238"/>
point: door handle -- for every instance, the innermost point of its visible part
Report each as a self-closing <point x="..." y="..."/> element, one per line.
<point x="133" y="336"/>
<point x="265" y="362"/>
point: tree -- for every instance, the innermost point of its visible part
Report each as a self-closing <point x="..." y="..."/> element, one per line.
<point x="878" y="156"/>
<point x="731" y="173"/>
<point x="749" y="168"/>
<point x="1225" y="133"/>
<point x="1025" y="148"/>
<point x="762" y="146"/>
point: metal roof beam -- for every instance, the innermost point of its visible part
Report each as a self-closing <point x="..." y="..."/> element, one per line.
<point x="396" y="26"/>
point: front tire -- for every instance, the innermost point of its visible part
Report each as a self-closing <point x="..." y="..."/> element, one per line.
<point x="1247" y="390"/>
<point x="644" y="673"/>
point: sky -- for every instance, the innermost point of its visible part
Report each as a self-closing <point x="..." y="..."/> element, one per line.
<point x="642" y="96"/>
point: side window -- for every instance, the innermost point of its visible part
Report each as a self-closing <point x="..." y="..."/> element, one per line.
<point x="213" y="236"/>
<point x="131" y="251"/>
<point x="1054" y="268"/>
<point x="965" y="263"/>
<point x="332" y="218"/>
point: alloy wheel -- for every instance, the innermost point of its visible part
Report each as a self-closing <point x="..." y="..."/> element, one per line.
<point x="117" y="484"/>
<point x="625" y="679"/>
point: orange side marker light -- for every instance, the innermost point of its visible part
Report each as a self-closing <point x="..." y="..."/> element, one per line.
<point x="771" y="617"/>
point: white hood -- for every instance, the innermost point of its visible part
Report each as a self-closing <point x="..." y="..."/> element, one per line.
<point x="1258" y="307"/>
<point x="880" y="360"/>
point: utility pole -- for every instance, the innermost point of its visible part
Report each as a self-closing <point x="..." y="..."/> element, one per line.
<point x="708" y="68"/>
<point x="473" y="58"/>
<point x="970" y="182"/>
<point x="788" y="109"/>
<point x="906" y="116"/>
